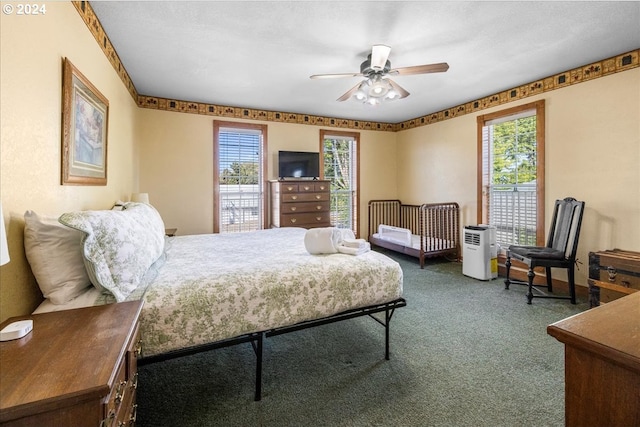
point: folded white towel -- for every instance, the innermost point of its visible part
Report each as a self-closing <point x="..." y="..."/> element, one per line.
<point x="322" y="240"/>
<point x="354" y="243"/>
<point x="331" y="240"/>
<point x="346" y="234"/>
<point x="354" y="251"/>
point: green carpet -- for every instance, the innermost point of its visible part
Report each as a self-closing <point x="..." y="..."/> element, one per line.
<point x="463" y="353"/>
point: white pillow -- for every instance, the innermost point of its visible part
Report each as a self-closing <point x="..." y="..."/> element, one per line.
<point x="119" y="246"/>
<point x="54" y="252"/>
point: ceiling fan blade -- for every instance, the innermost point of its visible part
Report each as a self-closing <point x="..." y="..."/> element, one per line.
<point x="349" y="93"/>
<point x="420" y="69"/>
<point x="379" y="56"/>
<point x="401" y="91"/>
<point x="332" y="76"/>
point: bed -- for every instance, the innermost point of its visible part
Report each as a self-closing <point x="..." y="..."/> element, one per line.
<point x="199" y="294"/>
<point x="421" y="231"/>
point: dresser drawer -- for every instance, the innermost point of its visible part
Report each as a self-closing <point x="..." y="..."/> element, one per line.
<point x="133" y="353"/>
<point x="320" y="219"/>
<point x="302" y="207"/>
<point x="289" y="188"/>
<point x="304" y="187"/>
<point x="119" y="393"/>
<point x="305" y="197"/>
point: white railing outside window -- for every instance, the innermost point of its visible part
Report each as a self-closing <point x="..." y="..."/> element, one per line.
<point x="513" y="211"/>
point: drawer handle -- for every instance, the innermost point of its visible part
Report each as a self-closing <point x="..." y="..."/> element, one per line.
<point x="109" y="420"/>
<point x="120" y="392"/>
<point x="138" y="351"/>
<point x="289" y="188"/>
<point x="318" y="207"/>
<point x="318" y="196"/>
<point x="293" y="208"/>
<point x="134" y="415"/>
<point x="294" y="197"/>
<point x="293" y="220"/>
<point x="134" y="381"/>
<point x="318" y="218"/>
<point x="306" y="187"/>
<point x="322" y="187"/>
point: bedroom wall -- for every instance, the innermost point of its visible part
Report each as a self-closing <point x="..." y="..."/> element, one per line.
<point x="592" y="153"/>
<point x="176" y="167"/>
<point x="32" y="49"/>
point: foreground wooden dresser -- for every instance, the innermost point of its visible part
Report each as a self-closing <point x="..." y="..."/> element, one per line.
<point x="304" y="203"/>
<point x="602" y="364"/>
<point x="76" y="368"/>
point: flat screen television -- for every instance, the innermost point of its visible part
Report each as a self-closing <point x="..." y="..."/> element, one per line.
<point x="298" y="164"/>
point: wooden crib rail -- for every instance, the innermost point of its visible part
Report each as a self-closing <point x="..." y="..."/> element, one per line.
<point x="383" y="212"/>
<point x="441" y="223"/>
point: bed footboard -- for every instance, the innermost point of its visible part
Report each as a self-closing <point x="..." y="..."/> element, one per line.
<point x="435" y="226"/>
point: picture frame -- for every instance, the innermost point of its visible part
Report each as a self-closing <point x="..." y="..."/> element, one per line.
<point x="85" y="124"/>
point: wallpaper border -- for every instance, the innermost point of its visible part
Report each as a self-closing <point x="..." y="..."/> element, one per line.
<point x="623" y="62"/>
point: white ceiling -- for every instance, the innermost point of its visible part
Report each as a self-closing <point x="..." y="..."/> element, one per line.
<point x="260" y="54"/>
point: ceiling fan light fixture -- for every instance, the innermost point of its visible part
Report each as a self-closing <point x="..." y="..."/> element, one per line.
<point x="377" y="87"/>
<point x="392" y="95"/>
<point x="372" y="102"/>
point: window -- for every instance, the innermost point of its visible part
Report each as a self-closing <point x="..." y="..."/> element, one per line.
<point x="340" y="154"/>
<point x="239" y="168"/>
<point x="511" y="174"/>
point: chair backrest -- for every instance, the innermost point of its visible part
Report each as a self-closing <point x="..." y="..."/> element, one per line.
<point x="565" y="226"/>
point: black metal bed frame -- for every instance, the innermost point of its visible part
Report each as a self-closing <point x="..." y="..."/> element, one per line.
<point x="256" y="338"/>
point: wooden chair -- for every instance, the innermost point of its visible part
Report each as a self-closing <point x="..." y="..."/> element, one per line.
<point x="560" y="252"/>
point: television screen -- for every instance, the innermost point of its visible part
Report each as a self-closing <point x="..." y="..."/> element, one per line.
<point x="298" y="164"/>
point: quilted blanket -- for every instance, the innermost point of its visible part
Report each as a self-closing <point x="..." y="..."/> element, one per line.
<point x="218" y="286"/>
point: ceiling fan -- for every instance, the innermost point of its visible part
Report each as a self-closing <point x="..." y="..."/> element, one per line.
<point x="377" y="86"/>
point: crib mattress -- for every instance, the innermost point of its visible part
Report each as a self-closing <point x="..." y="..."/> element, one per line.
<point x="431" y="243"/>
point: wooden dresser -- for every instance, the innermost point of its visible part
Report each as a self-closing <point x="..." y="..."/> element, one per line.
<point x="303" y="203"/>
<point x="76" y="368"/>
<point x="602" y="364"/>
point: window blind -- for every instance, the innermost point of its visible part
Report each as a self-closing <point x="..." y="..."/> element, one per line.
<point x="241" y="189"/>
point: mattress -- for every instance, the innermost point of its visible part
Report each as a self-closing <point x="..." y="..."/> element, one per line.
<point x="212" y="287"/>
<point x="431" y="243"/>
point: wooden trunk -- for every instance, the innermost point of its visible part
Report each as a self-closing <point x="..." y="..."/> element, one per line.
<point x="613" y="274"/>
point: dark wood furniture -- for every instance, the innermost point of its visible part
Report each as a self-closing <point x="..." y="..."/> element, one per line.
<point x="437" y="226"/>
<point x="76" y="368"/>
<point x="304" y="203"/>
<point x="560" y="252"/>
<point x="602" y="364"/>
<point x="613" y="274"/>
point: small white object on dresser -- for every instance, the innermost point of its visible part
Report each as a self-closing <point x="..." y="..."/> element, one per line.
<point x="16" y="330"/>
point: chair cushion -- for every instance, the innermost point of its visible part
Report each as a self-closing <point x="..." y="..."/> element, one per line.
<point x="535" y="252"/>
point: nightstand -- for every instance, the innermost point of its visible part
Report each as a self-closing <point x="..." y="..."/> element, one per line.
<point x="170" y="232"/>
<point x="77" y="367"/>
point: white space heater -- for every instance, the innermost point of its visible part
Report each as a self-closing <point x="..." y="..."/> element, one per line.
<point x="480" y="252"/>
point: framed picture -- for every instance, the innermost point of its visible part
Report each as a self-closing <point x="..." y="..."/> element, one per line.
<point x="85" y="118"/>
